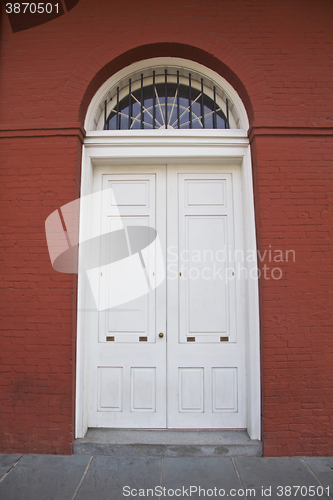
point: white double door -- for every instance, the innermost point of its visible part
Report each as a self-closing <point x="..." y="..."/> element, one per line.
<point x="174" y="357"/>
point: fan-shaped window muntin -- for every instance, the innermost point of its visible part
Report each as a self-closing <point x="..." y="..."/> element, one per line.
<point x="140" y="104"/>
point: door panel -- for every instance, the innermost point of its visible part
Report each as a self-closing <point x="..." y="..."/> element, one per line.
<point x="128" y="375"/>
<point x="206" y="352"/>
<point x="134" y="198"/>
<point x="190" y="390"/>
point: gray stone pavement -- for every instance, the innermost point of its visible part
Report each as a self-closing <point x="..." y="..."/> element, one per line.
<point x="101" y="477"/>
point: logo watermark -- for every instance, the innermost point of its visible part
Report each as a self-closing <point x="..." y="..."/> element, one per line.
<point x="227" y="263"/>
<point x="187" y="491"/>
<point x="123" y="262"/>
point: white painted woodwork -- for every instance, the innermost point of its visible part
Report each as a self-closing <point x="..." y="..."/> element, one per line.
<point x="110" y="388"/>
<point x="145" y="152"/>
<point x="225" y="389"/>
<point x="237" y="112"/>
<point x="189" y="378"/>
<point x="135" y="198"/>
<point x="206" y="218"/>
<point x="191" y="390"/>
<point x="143" y="389"/>
<point x="127" y="376"/>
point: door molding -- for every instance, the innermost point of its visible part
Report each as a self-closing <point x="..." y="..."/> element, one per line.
<point x="223" y="147"/>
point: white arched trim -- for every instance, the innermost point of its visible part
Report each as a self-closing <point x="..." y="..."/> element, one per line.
<point x="210" y="78"/>
<point x="227" y="147"/>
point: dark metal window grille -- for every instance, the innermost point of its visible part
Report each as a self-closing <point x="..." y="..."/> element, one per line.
<point x="168" y="104"/>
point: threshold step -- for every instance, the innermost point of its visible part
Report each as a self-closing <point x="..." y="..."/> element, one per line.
<point x="167" y="443"/>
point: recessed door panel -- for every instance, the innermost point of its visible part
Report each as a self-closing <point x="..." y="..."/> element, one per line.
<point x="191" y="389"/>
<point x="143" y="389"/>
<point x="225" y="389"/>
<point x="110" y="388"/>
<point x="204" y="297"/>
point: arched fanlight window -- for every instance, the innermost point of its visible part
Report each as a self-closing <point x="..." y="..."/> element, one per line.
<point x="166" y="98"/>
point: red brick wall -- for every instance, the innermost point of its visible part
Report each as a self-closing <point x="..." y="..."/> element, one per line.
<point x="278" y="56"/>
<point x="294" y="202"/>
<point x="38" y="304"/>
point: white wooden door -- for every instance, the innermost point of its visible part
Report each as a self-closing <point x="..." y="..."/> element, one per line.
<point x="194" y="376"/>
<point x="128" y="358"/>
<point x="206" y="351"/>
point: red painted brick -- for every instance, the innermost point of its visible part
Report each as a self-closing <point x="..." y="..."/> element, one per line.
<point x="278" y="57"/>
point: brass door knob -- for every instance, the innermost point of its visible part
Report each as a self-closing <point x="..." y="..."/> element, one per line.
<point x="161" y="335"/>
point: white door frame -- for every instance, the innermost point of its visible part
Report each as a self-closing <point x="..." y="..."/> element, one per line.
<point x="223" y="147"/>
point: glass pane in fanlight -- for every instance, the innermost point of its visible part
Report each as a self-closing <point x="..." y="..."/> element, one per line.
<point x="172" y="109"/>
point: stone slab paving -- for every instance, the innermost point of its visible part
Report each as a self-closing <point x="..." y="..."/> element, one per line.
<point x="7" y="462"/>
<point x="323" y="469"/>
<point x="280" y="477"/>
<point x="44" y="477"/>
<point x="84" y="477"/>
<point x="201" y="477"/>
<point x="108" y="477"/>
